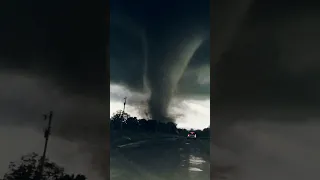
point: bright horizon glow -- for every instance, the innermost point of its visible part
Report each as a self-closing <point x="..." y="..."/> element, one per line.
<point x="196" y="113"/>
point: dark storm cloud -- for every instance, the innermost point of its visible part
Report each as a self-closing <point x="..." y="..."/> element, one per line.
<point x="150" y="47"/>
<point x="62" y="41"/>
<point x="265" y="99"/>
<point x="53" y="57"/>
<point x="269" y="68"/>
<point x="272" y="59"/>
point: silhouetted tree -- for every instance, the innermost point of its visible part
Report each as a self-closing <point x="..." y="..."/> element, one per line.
<point x="132" y="124"/>
<point x="28" y="166"/>
<point x="142" y="125"/>
<point x="183" y="132"/>
<point x="162" y="127"/>
<point x="206" y="132"/>
<point x="73" y="177"/>
<point x="152" y="125"/>
<point x="172" y="127"/>
<point x="117" y="118"/>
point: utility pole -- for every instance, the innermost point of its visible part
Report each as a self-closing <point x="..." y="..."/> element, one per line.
<point x="124" y="107"/>
<point x="46" y="136"/>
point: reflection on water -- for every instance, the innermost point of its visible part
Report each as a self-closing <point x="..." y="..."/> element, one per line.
<point x="194" y="169"/>
<point x="196" y="166"/>
<point x="196" y="163"/>
<point x="170" y="161"/>
<point x="196" y="160"/>
<point x="193" y="164"/>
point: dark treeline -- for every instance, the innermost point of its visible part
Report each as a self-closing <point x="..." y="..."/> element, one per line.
<point x="123" y="121"/>
<point x="28" y="169"/>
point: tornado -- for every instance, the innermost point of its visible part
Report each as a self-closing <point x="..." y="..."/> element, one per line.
<point x="163" y="76"/>
<point x="156" y="61"/>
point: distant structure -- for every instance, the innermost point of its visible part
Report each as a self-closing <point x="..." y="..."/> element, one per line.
<point x="46" y="136"/>
<point x="124" y="107"/>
